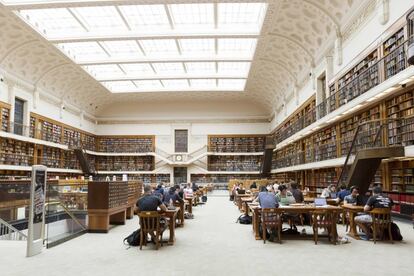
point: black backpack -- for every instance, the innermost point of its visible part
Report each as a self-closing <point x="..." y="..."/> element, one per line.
<point x="244" y="219"/>
<point x="134" y="238"/>
<point x="204" y="198"/>
<point x="395" y="232"/>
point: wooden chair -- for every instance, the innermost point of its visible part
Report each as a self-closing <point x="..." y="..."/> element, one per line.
<point x="381" y="222"/>
<point x="271" y="219"/>
<point x="150" y="224"/>
<point x="326" y="220"/>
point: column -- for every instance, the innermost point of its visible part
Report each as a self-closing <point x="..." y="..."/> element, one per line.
<point x="383" y="11"/>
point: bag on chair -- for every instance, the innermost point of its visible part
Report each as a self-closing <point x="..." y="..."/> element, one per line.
<point x="134" y="238"/>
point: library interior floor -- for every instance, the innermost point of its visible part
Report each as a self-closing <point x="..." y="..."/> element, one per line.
<point x="213" y="244"/>
<point x="295" y="117"/>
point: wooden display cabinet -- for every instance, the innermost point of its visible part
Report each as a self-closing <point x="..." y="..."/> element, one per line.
<point x="107" y="204"/>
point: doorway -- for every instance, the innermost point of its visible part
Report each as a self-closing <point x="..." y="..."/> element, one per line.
<point x="180" y="175"/>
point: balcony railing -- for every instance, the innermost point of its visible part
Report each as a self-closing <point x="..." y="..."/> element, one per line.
<point x="375" y="74"/>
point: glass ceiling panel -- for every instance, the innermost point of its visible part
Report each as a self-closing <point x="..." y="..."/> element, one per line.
<point x="120" y="86"/>
<point x="175" y="84"/>
<point x="203" y="83"/>
<point x="199" y="47"/>
<point x="192" y="15"/>
<point x="168" y="68"/>
<point x="232" y="84"/>
<point x="247" y="15"/>
<point x="157" y="47"/>
<point x="146" y="17"/>
<point x="137" y="68"/>
<point x="148" y="84"/>
<point x="84" y="50"/>
<point x="123" y="48"/>
<point x="241" y="68"/>
<point x="200" y="67"/>
<point x="103" y="71"/>
<point x="53" y="21"/>
<point x="100" y="18"/>
<point x="237" y="47"/>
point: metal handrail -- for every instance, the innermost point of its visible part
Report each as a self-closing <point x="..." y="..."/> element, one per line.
<point x="351" y="148"/>
<point x="67" y="211"/>
<point x="11" y="230"/>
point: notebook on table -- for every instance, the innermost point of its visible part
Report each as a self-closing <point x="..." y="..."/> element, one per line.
<point x="241" y="192"/>
<point x="320" y="201"/>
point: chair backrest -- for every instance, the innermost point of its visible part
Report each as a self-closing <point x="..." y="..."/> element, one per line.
<point x="149" y="220"/>
<point x="381" y="215"/>
<point x="269" y="215"/>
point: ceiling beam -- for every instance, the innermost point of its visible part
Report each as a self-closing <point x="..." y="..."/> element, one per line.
<point x="163" y="59"/>
<point x="173" y="34"/>
<point x="170" y="77"/>
<point x="88" y="3"/>
<point x="176" y="90"/>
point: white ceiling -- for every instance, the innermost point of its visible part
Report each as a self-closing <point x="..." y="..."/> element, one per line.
<point x="167" y="51"/>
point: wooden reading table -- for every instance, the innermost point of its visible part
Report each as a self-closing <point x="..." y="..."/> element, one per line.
<point x="246" y="201"/>
<point x="353" y="210"/>
<point x="238" y="198"/>
<point x="171" y="215"/>
<point x="190" y="204"/>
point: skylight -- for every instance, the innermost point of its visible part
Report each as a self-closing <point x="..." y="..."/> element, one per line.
<point x="148" y="48"/>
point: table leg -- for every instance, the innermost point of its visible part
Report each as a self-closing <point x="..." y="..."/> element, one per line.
<point x="256" y="224"/>
<point x="246" y="210"/>
<point x="171" y="227"/>
<point x="352" y="226"/>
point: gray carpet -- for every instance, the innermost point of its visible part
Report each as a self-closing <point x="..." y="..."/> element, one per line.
<point x="211" y="244"/>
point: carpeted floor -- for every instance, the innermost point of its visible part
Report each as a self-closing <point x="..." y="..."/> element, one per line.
<point x="211" y="244"/>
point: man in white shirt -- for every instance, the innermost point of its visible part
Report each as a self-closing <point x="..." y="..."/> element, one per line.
<point x="188" y="191"/>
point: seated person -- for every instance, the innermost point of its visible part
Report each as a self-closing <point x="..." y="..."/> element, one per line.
<point x="343" y="193"/>
<point x="354" y="198"/>
<point x="326" y="193"/>
<point x="266" y="199"/>
<point x="194" y="187"/>
<point x="151" y="202"/>
<point x="179" y="190"/>
<point x="377" y="200"/>
<point x="159" y="191"/>
<point x="253" y="186"/>
<point x="188" y="192"/>
<point x="284" y="197"/>
<point x="172" y="197"/>
<point x="297" y="193"/>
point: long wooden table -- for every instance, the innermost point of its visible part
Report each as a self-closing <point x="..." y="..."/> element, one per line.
<point x="238" y="198"/>
<point x="353" y="210"/>
<point x="246" y="201"/>
<point x="171" y="215"/>
<point x="256" y="211"/>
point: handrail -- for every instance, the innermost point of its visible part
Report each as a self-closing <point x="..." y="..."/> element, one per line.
<point x="67" y="211"/>
<point x="11" y="230"/>
<point x="374" y="142"/>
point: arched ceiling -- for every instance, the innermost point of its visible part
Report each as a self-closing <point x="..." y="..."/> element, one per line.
<point x="293" y="34"/>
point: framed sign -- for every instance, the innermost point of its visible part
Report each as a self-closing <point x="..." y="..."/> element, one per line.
<point x="36" y="223"/>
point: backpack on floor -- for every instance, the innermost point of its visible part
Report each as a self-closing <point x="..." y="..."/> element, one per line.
<point x="231" y="197"/>
<point x="204" y="198"/>
<point x="134" y="238"/>
<point x="243" y="219"/>
<point x="395" y="232"/>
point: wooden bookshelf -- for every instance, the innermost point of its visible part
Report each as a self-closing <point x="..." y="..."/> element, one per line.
<point x="286" y="177"/>
<point x="50" y="157"/>
<point x="4" y="116"/>
<point x="236" y="143"/>
<point x="401" y="106"/>
<point x="359" y="79"/>
<point x="324" y="143"/>
<point x="16" y="153"/>
<point x="126" y="143"/>
<point x="317" y="180"/>
<point x="234" y="163"/>
<point x="220" y="178"/>
<point x="394" y="53"/>
<point x="125" y="163"/>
